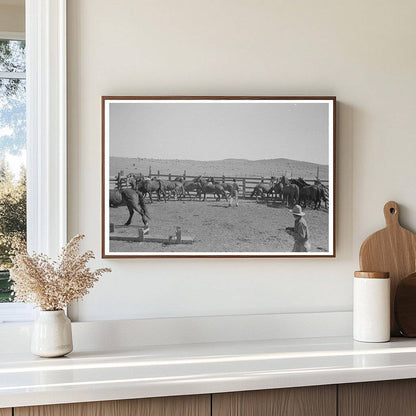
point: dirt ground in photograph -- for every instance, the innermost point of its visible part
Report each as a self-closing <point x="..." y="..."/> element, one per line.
<point x="215" y="227"/>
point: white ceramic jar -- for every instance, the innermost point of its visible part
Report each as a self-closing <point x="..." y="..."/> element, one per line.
<point x="52" y="334"/>
<point x="371" y="307"/>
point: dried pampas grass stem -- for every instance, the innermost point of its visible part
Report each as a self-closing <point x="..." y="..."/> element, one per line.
<point x="53" y="285"/>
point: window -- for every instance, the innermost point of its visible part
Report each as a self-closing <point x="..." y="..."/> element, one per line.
<point x="12" y="163"/>
<point x="12" y="154"/>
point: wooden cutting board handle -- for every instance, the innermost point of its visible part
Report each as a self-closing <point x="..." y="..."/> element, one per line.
<point x="391" y="214"/>
<point x="393" y="250"/>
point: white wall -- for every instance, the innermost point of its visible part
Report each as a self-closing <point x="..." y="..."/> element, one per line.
<point x="361" y="51"/>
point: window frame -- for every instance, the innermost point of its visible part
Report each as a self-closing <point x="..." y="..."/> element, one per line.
<point x="12" y="35"/>
<point x="46" y="127"/>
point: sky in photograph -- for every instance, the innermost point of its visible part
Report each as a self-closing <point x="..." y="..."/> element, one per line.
<point x="215" y="131"/>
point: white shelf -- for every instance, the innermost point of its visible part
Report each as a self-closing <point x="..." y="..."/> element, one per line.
<point x="148" y="371"/>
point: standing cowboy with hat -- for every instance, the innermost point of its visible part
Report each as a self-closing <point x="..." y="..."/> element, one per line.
<point x="234" y="193"/>
<point x="300" y="231"/>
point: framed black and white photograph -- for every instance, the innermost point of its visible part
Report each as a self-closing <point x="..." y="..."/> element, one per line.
<point x="218" y="176"/>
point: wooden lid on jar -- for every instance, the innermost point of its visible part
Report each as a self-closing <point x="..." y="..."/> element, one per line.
<point x="372" y="275"/>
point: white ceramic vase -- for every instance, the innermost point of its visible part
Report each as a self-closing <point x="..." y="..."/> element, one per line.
<point x="52" y="334"/>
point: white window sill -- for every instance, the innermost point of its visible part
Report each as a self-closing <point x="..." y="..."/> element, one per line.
<point x="16" y="313"/>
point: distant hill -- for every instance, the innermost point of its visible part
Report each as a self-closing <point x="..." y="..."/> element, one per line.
<point x="227" y="167"/>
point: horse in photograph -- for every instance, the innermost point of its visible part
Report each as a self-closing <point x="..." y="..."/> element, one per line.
<point x="262" y="189"/>
<point x="174" y="187"/>
<point x="311" y="194"/>
<point x="191" y="186"/>
<point x="179" y="189"/>
<point x="324" y="193"/>
<point x="134" y="200"/>
<point x="116" y="199"/>
<point x="208" y="187"/>
<point x="323" y="190"/>
<point x="231" y="188"/>
<point x="300" y="182"/>
<point x="278" y="190"/>
<point x="147" y="186"/>
<point x="135" y="176"/>
<point x="290" y="192"/>
<point x="187" y="187"/>
<point x="180" y="185"/>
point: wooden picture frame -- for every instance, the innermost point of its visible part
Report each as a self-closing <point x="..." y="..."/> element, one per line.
<point x="141" y="135"/>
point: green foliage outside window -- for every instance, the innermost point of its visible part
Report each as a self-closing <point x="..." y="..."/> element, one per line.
<point x="12" y="144"/>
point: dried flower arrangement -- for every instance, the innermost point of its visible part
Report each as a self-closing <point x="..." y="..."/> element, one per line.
<point x="52" y="285"/>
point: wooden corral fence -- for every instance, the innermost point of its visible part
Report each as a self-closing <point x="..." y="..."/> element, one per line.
<point x="245" y="183"/>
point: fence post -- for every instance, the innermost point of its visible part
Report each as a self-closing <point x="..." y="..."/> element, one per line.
<point x="244" y="187"/>
<point x="140" y="236"/>
<point x="178" y="235"/>
<point x="119" y="181"/>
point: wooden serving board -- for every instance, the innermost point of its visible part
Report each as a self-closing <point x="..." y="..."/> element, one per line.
<point x="405" y="306"/>
<point x="392" y="250"/>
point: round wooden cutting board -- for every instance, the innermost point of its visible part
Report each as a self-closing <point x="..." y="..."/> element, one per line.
<point x="392" y="250"/>
<point x="405" y="306"/>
